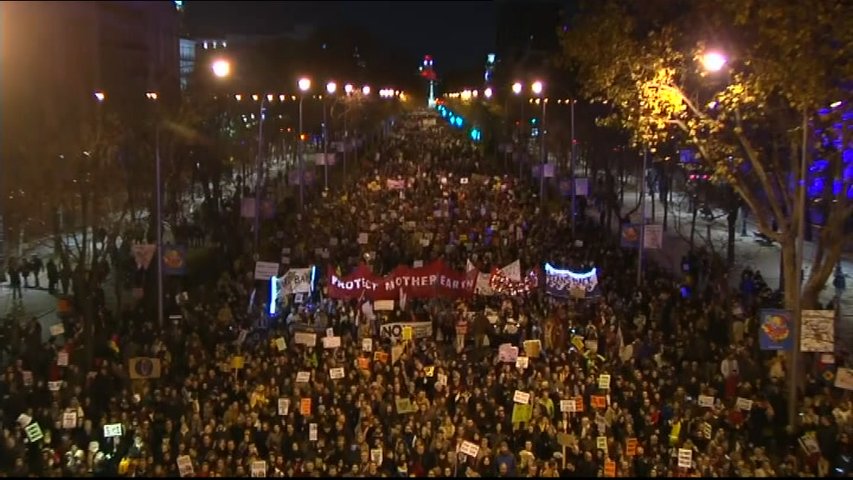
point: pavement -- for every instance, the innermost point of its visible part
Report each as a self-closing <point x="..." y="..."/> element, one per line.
<point x="748" y="252"/>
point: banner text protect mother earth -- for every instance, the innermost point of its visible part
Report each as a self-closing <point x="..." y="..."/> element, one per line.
<point x="433" y="280"/>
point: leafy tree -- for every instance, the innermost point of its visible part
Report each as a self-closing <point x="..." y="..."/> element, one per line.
<point x="785" y="61"/>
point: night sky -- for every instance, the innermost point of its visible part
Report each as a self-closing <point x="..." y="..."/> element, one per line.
<point x="457" y="33"/>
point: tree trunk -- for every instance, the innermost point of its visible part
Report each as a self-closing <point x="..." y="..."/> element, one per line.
<point x="730" y="242"/>
<point x="790" y="271"/>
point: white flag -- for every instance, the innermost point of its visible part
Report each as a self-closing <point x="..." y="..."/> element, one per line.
<point x="513" y="271"/>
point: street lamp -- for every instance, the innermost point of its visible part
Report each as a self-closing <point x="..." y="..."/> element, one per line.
<point x="488" y="92"/>
<point x="516" y="88"/>
<point x="304" y="85"/>
<point x="713" y="61"/>
<point x="365" y="90"/>
<point x="537" y="89"/>
<point x="159" y="206"/>
<point x="100" y="96"/>
<point x="331" y="88"/>
<point x="221" y="68"/>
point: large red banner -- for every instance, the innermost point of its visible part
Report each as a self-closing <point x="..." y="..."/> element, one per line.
<point x="433" y="280"/>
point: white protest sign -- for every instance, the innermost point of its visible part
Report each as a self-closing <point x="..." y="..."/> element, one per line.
<point x="367" y="344"/>
<point x="362" y="238"/>
<point x="604" y="381"/>
<point x="744" y="404"/>
<point x="24" y="419"/>
<point x="112" y="430"/>
<point x="57" y="330"/>
<point x="685" y="458"/>
<point x="331" y="342"/>
<point x="265" y="270"/>
<point x="330" y="332"/>
<point x="844" y="378"/>
<point x="283" y="406"/>
<point x="706" y="401"/>
<point x="27" y="377"/>
<point x="568" y="406"/>
<point x="303" y="377"/>
<point x="259" y="468"/>
<point x="469" y="448"/>
<point x="376" y="456"/>
<point x="336" y="373"/>
<point x="62" y="359"/>
<point x="522" y="362"/>
<point x="312" y="432"/>
<point x="69" y="420"/>
<point x="307" y="339"/>
<point x="521" y="397"/>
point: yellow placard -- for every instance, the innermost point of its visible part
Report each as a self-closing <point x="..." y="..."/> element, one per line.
<point x="407" y="333"/>
<point x="429" y="371"/>
<point x="237" y="362"/>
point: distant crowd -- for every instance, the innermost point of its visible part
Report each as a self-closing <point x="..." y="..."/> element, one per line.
<point x="626" y="381"/>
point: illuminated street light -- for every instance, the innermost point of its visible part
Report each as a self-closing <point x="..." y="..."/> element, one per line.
<point x="713" y="61"/>
<point x="537" y="87"/>
<point x="516" y="88"/>
<point x="221" y="68"/>
<point x="100" y="96"/>
<point x="348" y="88"/>
<point x="238" y="97"/>
<point x="304" y="84"/>
<point x="255" y="97"/>
<point x="331" y="87"/>
<point x="366" y="90"/>
<point x="270" y="97"/>
<point x="151" y="95"/>
<point x="488" y="92"/>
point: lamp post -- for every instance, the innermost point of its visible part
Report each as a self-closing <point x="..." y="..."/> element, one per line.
<point x="331" y="87"/>
<point x="152" y="96"/>
<point x="572" y="171"/>
<point x="537" y="89"/>
<point x="642" y="244"/>
<point x="304" y="85"/>
<point x="516" y="89"/>
<point x="348" y="89"/>
<point x="258" y="171"/>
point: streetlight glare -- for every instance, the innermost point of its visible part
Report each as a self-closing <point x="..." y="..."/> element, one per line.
<point x="348" y="88"/>
<point x="366" y="90"/>
<point x="100" y="96"/>
<point x="304" y="84"/>
<point x="516" y="88"/>
<point x="221" y="68"/>
<point x="331" y="87"/>
<point x="151" y="95"/>
<point x="488" y="92"/>
<point x="713" y="61"/>
<point x="536" y="87"/>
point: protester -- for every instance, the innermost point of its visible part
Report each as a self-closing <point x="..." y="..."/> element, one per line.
<point x="211" y="394"/>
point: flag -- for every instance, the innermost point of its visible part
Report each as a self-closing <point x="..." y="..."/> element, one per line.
<point x="513" y="271"/>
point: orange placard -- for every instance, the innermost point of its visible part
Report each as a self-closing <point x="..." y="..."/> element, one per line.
<point x="305" y="407"/>
<point x="598" y="401"/>
<point x="631" y="447"/>
<point x="380" y="357"/>
<point x="609" y="468"/>
<point x="363" y="363"/>
<point x="579" y="404"/>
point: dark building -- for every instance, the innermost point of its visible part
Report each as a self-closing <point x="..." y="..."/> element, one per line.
<point x="55" y="55"/>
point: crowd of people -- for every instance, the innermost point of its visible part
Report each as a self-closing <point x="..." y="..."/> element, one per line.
<point x="634" y="381"/>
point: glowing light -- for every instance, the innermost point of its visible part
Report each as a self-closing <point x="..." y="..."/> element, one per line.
<point x="835" y="104"/>
<point x="331" y="87"/>
<point x="366" y="90"/>
<point x="270" y="97"/>
<point x="577" y="276"/>
<point x="348" y="88"/>
<point x="273" y="294"/>
<point x="221" y="68"/>
<point x="537" y="87"/>
<point x="488" y="92"/>
<point x="713" y="61"/>
<point x="281" y="98"/>
<point x="100" y="96"/>
<point x="516" y="88"/>
<point x="151" y="95"/>
<point x="238" y="97"/>
<point x="255" y="97"/>
<point x="304" y="84"/>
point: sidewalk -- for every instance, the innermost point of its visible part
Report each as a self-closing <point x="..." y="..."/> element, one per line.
<point x="748" y="252"/>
